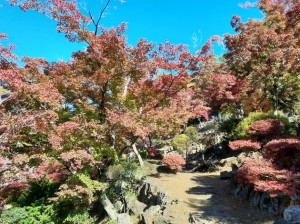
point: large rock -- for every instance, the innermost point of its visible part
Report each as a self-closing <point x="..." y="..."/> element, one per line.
<point x="163" y="199"/>
<point x="123" y="218"/>
<point x="152" y="213"/>
<point x="225" y="175"/>
<point x="292" y="214"/>
<point x="134" y="206"/>
<point x="282" y="222"/>
<point x="147" y="194"/>
<point x="242" y="192"/>
<point x="164" y="150"/>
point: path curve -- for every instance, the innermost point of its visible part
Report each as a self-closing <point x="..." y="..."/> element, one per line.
<point x="208" y="199"/>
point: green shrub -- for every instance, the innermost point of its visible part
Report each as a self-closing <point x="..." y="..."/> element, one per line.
<point x="124" y="178"/>
<point x="79" y="217"/>
<point x="181" y="142"/>
<point x="228" y="126"/>
<point x="13" y="215"/>
<point x="125" y="170"/>
<point x="38" y="193"/>
<point x="44" y="214"/>
<point x="192" y="133"/>
<point x="241" y="129"/>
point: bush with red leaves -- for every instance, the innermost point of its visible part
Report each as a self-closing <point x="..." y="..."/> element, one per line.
<point x="245" y="145"/>
<point x="284" y="152"/>
<point x="13" y="190"/>
<point x="263" y="176"/>
<point x="174" y="162"/>
<point x="53" y="171"/>
<point x="266" y="128"/>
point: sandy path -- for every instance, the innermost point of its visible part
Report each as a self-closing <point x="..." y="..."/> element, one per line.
<point x="208" y="198"/>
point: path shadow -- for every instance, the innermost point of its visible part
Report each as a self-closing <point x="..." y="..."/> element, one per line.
<point x="164" y="169"/>
<point x="215" y="201"/>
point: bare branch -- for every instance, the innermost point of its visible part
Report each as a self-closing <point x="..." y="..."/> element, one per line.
<point x="100" y="17"/>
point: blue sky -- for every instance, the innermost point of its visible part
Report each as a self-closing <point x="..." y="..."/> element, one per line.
<point x="177" y="21"/>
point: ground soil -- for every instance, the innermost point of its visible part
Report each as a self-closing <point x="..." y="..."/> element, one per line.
<point x="206" y="199"/>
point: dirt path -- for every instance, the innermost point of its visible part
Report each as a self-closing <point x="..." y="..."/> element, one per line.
<point x="208" y="199"/>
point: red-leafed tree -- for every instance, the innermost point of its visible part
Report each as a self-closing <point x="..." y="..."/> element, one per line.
<point x="64" y="121"/>
<point x="265" y="54"/>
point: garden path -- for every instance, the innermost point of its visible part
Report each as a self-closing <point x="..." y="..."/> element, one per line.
<point x="208" y="199"/>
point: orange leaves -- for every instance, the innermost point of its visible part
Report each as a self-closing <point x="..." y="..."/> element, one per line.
<point x="245" y="144"/>
<point x="174" y="162"/>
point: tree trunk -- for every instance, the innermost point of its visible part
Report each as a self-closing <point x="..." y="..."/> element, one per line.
<point x="108" y="206"/>
<point x="138" y="155"/>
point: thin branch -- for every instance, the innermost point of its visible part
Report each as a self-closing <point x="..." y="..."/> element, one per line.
<point x="100" y="17"/>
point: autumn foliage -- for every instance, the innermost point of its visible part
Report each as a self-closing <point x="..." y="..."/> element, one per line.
<point x="266" y="128"/>
<point x="64" y="123"/>
<point x="263" y="176"/>
<point x="245" y="145"/>
<point x="276" y="172"/>
<point x="173" y="162"/>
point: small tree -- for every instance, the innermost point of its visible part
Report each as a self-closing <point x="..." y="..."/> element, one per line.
<point x="173" y="162"/>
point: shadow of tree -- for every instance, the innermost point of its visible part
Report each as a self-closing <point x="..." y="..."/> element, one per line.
<point x="215" y="203"/>
<point x="164" y="169"/>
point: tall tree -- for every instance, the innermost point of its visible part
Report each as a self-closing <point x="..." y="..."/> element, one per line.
<point x="266" y="53"/>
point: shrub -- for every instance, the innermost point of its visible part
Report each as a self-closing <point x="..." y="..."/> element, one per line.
<point x="173" y="162"/>
<point x="263" y="176"/>
<point x="245" y="144"/>
<point x="241" y="130"/>
<point x="181" y="142"/>
<point x="35" y="215"/>
<point x="192" y="133"/>
<point x="228" y="126"/>
<point x="37" y="193"/>
<point x="13" y="190"/>
<point x="266" y="128"/>
<point x="124" y="178"/>
<point x="79" y="217"/>
<point x="13" y="215"/>
<point x="284" y="152"/>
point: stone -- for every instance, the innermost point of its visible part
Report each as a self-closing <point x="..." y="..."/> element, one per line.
<point x="282" y="222"/>
<point x="147" y="194"/>
<point x="242" y="192"/>
<point x="255" y="198"/>
<point x="134" y="206"/>
<point x="119" y="206"/>
<point x="123" y="218"/>
<point x="164" y="199"/>
<point x="265" y="201"/>
<point x="225" y="175"/>
<point x="149" y="215"/>
<point x="292" y="214"/>
<point x="164" y="150"/>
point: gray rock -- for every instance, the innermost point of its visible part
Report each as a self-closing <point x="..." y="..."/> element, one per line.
<point x="164" y="199"/>
<point x="119" y="206"/>
<point x="282" y="222"/>
<point x="147" y="194"/>
<point x="225" y="175"/>
<point x="153" y="209"/>
<point x="135" y="207"/>
<point x="255" y="198"/>
<point x="164" y="150"/>
<point x="265" y="201"/>
<point x="148" y="216"/>
<point x="242" y="192"/>
<point x="123" y="218"/>
<point x="292" y="214"/>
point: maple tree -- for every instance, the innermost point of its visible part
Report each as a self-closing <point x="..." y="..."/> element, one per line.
<point x="65" y="121"/>
<point x="265" y="53"/>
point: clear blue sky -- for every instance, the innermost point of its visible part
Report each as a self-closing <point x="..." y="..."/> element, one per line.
<point x="156" y="20"/>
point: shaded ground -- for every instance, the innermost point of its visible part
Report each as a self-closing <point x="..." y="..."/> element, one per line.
<point x="207" y="199"/>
